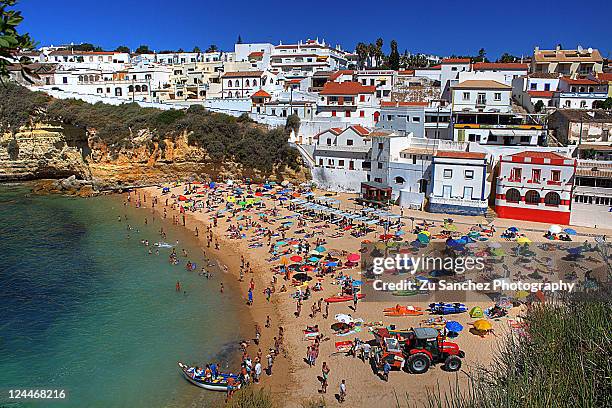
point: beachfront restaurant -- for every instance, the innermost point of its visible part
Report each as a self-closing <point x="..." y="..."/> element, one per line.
<point x="374" y="193"/>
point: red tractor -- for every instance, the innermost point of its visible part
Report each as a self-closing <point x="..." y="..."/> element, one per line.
<point x="425" y="346"/>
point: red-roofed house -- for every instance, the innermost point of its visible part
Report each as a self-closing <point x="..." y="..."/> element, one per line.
<point x="459" y="183"/>
<point x="350" y="102"/>
<point x="342" y="157"/>
<point x="579" y="93"/>
<point x="535" y="186"/>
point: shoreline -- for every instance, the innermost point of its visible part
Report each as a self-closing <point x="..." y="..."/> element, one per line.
<point x="228" y="260"/>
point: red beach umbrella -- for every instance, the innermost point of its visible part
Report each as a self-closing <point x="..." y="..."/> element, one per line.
<point x="182" y="198"/>
<point x="353" y="257"/>
<point x="296" y="258"/>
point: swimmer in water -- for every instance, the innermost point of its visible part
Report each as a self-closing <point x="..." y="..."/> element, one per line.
<point x="178" y="286"/>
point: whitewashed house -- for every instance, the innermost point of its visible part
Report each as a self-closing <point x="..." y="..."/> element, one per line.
<point x="481" y="96"/>
<point x="349" y="102"/>
<point x="459" y="183"/>
<point x="242" y="84"/>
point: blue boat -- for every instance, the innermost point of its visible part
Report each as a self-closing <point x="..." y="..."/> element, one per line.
<point x="217" y="384"/>
<point x="447" y="308"/>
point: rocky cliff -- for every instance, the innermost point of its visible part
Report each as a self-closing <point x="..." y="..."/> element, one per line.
<point x="48" y="152"/>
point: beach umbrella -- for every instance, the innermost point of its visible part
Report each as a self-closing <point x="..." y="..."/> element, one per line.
<point x="523" y="240"/>
<point x="320" y="249"/>
<point x="258" y="194"/>
<point x="570" y="231"/>
<point x="344" y="318"/>
<point x="296" y="258"/>
<point x="454" y="326"/>
<point x="313" y="259"/>
<point x="301" y="277"/>
<point x="284" y="260"/>
<point x="231" y="199"/>
<point x="423" y="238"/>
<point x="521" y="294"/>
<point x="513" y="229"/>
<point x="357" y="283"/>
<point x="353" y="257"/>
<point x="386" y="237"/>
<point x="483" y="325"/>
<point x="331" y="264"/>
<point x="182" y="198"/>
<point x="554" y="229"/>
<point x="400" y="233"/>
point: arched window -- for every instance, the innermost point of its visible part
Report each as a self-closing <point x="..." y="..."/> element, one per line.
<point x="532" y="197"/>
<point x="552" y="199"/>
<point x="131" y="88"/>
<point x="137" y="88"/>
<point x="399" y="180"/>
<point x="247" y="83"/>
<point x="513" y="195"/>
<point x="254" y="82"/>
<point x="117" y="91"/>
<point x="229" y="94"/>
<point x="80" y="78"/>
<point x="263" y="81"/>
<point x="92" y="78"/>
<point x="583" y="104"/>
<point x="145" y="88"/>
<point x="229" y="83"/>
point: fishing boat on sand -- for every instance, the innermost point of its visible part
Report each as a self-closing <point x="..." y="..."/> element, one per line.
<point x="220" y="383"/>
<point x="343" y="298"/>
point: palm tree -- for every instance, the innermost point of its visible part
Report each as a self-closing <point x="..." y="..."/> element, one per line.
<point x="362" y="54"/>
<point x="212" y="48"/>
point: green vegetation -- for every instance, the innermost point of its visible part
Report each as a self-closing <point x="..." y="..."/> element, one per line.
<point x="539" y="106"/>
<point x="122" y="48"/>
<point x="564" y="360"/>
<point x="607" y="104"/>
<point x="225" y="138"/>
<point x="249" y="398"/>
<point x="143" y="49"/>
<point x="10" y="39"/>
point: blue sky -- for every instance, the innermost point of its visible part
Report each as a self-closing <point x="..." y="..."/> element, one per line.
<point x="440" y="27"/>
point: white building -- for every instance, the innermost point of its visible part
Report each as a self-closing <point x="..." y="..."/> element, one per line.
<point x="592" y="195"/>
<point x="108" y="60"/>
<point x="449" y="73"/>
<point x="305" y="58"/>
<point x="567" y="62"/>
<point x="459" y="183"/>
<point x="579" y="93"/>
<point x="257" y="54"/>
<point x="382" y="80"/>
<point x="481" y="96"/>
<point x="350" y="102"/>
<point x="242" y="84"/>
<point x="342" y="158"/>
<point x="528" y="90"/>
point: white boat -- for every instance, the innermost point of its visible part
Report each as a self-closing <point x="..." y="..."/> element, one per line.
<point x="217" y="384"/>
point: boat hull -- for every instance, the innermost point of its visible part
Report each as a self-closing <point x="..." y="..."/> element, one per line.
<point x="219" y="385"/>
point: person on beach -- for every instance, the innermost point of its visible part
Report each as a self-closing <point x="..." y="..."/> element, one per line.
<point x="250" y="297"/>
<point x="178" y="286"/>
<point x="270" y="359"/>
<point x="342" y="395"/>
<point x="268" y="321"/>
<point x="257" y="373"/>
<point x="324" y="377"/>
<point x="386" y="369"/>
<point x="221" y="287"/>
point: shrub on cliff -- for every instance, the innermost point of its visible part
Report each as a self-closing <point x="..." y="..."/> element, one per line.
<point x="224" y="137"/>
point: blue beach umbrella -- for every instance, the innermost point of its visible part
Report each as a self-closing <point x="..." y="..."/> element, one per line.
<point x="320" y="248"/>
<point x="454" y="326"/>
<point x="313" y="259"/>
<point x="331" y="264"/>
<point x="513" y="229"/>
<point x="570" y="231"/>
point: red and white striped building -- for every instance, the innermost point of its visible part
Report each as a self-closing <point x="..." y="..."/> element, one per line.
<point x="535" y="186"/>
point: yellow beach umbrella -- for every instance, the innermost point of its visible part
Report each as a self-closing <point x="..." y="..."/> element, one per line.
<point x="231" y="199"/>
<point x="521" y="294"/>
<point x="483" y="325"/>
<point x="523" y="240"/>
<point x="425" y="233"/>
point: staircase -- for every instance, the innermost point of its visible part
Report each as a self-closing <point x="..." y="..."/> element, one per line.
<point x="306" y="152"/>
<point x="490" y="215"/>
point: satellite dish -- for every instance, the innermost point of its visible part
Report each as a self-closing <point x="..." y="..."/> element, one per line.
<point x="590" y="50"/>
<point x="580" y="49"/>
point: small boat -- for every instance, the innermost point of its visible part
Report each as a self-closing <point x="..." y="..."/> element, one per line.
<point x="217" y="384"/>
<point x="343" y="298"/>
<point x="447" y="308"/>
<point x="400" y="310"/>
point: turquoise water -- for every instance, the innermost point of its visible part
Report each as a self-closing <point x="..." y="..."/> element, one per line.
<point x="86" y="309"/>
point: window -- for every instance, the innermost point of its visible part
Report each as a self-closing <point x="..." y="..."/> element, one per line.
<point x="535" y="175"/>
<point x="547" y="87"/>
<point x="347" y="114"/>
<point x="497" y="96"/>
<point x="533" y="86"/>
<point x="320" y="162"/>
<point x="380" y="165"/>
<point x="64" y="80"/>
<point x="552" y="199"/>
<point x="333" y="113"/>
<point x="513" y="195"/>
<point x="466" y="96"/>
<point x="453" y="68"/>
<point x="416" y="119"/>
<point x="349" y="142"/>
<point x="254" y="82"/>
<point x="229" y="83"/>
<point x="380" y="146"/>
<point x="361" y="114"/>
<point x="532" y="197"/>
<point x="330" y="162"/>
<point x="525" y="139"/>
<point x="329" y="142"/>
<point x="469" y="174"/>
<point x="555" y="175"/>
<point x="568" y="104"/>
<point x="473" y="137"/>
<point x="361" y="98"/>
<point x="399" y="180"/>
<point x="516" y="174"/>
<point x="117" y="91"/>
<point x="99" y="90"/>
<point x="351" y="165"/>
<point x="341" y="163"/>
<point x="414" y="159"/>
<point x="378" y="179"/>
<point x="583" y="104"/>
<point x="247" y="83"/>
<point x="448" y="173"/>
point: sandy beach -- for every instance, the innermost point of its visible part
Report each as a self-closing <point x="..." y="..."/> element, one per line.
<point x="293" y="381"/>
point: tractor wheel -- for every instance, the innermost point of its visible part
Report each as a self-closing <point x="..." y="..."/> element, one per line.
<point x="419" y="363"/>
<point x="452" y="363"/>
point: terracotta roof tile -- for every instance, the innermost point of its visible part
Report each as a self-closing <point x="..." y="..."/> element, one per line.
<point x="450" y="154"/>
<point x="242" y="74"/>
<point x="541" y="94"/>
<point x="261" y="94"/>
<point x="456" y="61"/>
<point x="395" y="104"/>
<point x="346" y="88"/>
